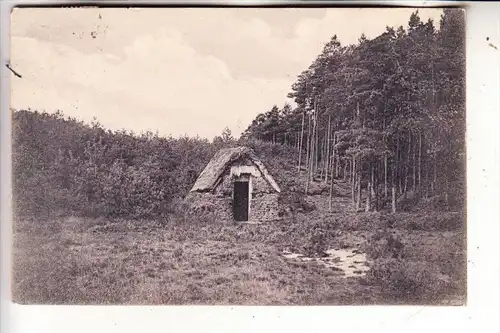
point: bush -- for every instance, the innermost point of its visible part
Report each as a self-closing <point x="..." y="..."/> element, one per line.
<point x="441" y="221"/>
<point x="295" y="202"/>
<point x="62" y="165"/>
<point x="316" y="243"/>
<point x="368" y="221"/>
<point x="384" y="244"/>
<point x="430" y="221"/>
<point x="409" y="282"/>
<point x="178" y="252"/>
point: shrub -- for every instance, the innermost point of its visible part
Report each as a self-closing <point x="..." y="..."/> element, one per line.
<point x="295" y="202"/>
<point x="367" y="221"/>
<point x="316" y="242"/>
<point x="178" y="252"/>
<point x="440" y="221"/>
<point x="384" y="244"/>
<point x="64" y="165"/>
<point x="408" y="282"/>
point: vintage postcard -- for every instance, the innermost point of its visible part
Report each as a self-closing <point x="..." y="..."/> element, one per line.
<point x="238" y="156"/>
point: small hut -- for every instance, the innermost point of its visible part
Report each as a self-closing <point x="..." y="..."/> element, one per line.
<point x="237" y="186"/>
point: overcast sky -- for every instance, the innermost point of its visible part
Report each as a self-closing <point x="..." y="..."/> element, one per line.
<point x="176" y="71"/>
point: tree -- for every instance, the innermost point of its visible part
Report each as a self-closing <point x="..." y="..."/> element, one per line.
<point x="387" y="114"/>
<point x="227" y="135"/>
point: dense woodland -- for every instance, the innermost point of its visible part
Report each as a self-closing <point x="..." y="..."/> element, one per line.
<point x="386" y="114"/>
<point x="62" y="165"/>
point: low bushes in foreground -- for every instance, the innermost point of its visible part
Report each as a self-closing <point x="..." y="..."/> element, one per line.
<point x="436" y="221"/>
<point x="429" y="221"/>
<point x="410" y="282"/>
<point x="150" y="256"/>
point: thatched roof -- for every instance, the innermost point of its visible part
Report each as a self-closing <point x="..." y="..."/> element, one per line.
<point x="209" y="177"/>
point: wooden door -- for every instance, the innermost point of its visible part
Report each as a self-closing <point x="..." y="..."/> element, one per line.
<point x="240" y="201"/>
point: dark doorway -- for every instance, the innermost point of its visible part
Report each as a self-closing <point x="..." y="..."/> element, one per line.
<point x="240" y="201"/>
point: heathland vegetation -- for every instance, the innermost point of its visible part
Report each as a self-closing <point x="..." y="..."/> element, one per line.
<point x="372" y="158"/>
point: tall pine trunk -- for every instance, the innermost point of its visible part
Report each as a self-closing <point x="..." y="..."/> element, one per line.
<point x="393" y="206"/>
<point x="335" y="160"/>
<point x="327" y="159"/>
<point x="447" y="192"/>
<point x="337" y="164"/>
<point x="313" y="147"/>
<point x="301" y="140"/>
<point x="420" y="160"/>
<point x="353" y="180"/>
<point x="318" y="151"/>
<point x="374" y="187"/>
<point x="311" y="159"/>
<point x="407" y="166"/>
<point x="346" y="164"/>
<point x="359" y="188"/>
<point x="398" y="166"/>
<point x="308" y="153"/>
<point x="324" y="157"/>
<point x="332" y="177"/>
<point x="316" y="144"/>
<point x="386" y="190"/>
<point x="414" y="169"/>
<point x="369" y="184"/>
<point x="434" y="178"/>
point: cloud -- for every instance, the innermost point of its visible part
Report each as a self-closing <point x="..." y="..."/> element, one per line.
<point x="262" y="50"/>
<point x="161" y="84"/>
<point x="175" y="70"/>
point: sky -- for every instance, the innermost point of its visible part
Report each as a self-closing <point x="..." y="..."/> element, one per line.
<point x="175" y="71"/>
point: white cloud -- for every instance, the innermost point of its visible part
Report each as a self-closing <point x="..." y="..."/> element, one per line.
<point x="178" y="71"/>
<point x="170" y="88"/>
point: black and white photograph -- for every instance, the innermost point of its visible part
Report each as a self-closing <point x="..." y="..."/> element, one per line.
<point x="238" y="156"/>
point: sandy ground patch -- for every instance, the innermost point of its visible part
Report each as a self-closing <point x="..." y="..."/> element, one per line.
<point x="352" y="262"/>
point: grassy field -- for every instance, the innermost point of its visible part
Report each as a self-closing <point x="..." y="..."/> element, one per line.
<point x="414" y="259"/>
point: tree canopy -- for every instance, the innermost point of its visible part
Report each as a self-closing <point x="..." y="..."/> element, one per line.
<point x="395" y="102"/>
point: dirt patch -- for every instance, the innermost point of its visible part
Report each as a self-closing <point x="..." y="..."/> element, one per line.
<point x="352" y="262"/>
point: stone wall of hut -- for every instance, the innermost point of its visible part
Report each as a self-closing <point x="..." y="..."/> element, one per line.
<point x="264" y="202"/>
<point x="264" y="207"/>
<point x="208" y="203"/>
